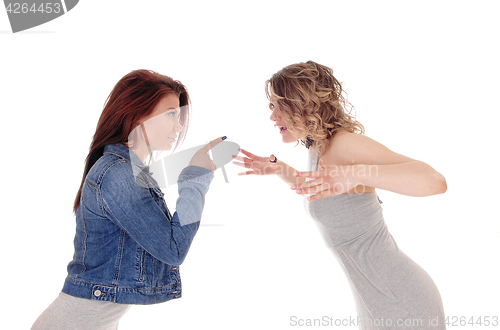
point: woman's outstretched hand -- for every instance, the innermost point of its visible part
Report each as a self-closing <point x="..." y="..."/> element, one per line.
<point x="201" y="157"/>
<point x="327" y="181"/>
<point x="258" y="165"/>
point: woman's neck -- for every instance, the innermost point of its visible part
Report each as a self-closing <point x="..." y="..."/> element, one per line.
<point x="141" y="150"/>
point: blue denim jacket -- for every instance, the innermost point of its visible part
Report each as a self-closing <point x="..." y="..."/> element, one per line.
<point x="128" y="247"/>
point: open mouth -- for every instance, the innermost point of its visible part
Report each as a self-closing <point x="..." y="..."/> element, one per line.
<point x="282" y="129"/>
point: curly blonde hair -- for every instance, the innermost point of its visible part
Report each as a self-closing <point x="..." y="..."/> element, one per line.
<point x="309" y="90"/>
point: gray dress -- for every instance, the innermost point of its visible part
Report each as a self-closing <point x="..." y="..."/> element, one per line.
<point x="391" y="291"/>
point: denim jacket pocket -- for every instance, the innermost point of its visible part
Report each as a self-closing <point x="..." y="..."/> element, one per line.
<point x="152" y="273"/>
<point x="142" y="275"/>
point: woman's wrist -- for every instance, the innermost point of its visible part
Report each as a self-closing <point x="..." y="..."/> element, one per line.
<point x="272" y="168"/>
<point x="282" y="169"/>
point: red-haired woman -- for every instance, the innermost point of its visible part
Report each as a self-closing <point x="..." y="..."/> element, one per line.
<point x="128" y="246"/>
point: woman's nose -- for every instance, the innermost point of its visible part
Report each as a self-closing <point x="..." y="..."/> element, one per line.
<point x="178" y="127"/>
<point x="274" y="116"/>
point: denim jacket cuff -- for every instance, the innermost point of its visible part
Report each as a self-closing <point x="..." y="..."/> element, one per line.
<point x="196" y="174"/>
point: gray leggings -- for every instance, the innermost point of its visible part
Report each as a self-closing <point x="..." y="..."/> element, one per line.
<point x="73" y="313"/>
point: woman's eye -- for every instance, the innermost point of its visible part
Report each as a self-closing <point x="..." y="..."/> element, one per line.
<point x="271" y="106"/>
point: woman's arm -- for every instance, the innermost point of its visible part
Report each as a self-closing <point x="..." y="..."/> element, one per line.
<point x="134" y="209"/>
<point x="413" y="178"/>
<point x="262" y="166"/>
<point x="353" y="160"/>
<point x="285" y="172"/>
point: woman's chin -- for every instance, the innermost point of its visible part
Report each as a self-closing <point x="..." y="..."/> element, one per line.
<point x="288" y="139"/>
<point x="164" y="147"/>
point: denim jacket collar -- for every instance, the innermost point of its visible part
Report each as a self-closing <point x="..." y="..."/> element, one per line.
<point x="122" y="150"/>
<point x="142" y="174"/>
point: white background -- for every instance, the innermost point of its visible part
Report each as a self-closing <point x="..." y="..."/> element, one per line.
<point x="423" y="76"/>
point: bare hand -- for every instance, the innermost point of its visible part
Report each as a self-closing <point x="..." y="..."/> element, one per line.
<point x="258" y="165"/>
<point x="328" y="181"/>
<point x="201" y="157"/>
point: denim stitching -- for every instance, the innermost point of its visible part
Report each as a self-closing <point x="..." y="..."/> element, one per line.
<point x="105" y="170"/>
<point x="193" y="179"/>
<point x="82" y="260"/>
<point x="120" y="256"/>
<point x="90" y="183"/>
<point x="128" y="287"/>
<point x="155" y="275"/>
<point x="99" y="193"/>
<point x="140" y="264"/>
<point x="144" y="269"/>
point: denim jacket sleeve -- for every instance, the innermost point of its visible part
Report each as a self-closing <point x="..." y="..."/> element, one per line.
<point x="134" y="209"/>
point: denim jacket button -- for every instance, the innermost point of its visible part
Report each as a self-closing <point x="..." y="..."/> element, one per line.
<point x="97" y="293"/>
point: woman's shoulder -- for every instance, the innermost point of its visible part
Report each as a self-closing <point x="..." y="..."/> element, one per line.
<point x="343" y="136"/>
<point x="341" y="146"/>
<point x="110" y="166"/>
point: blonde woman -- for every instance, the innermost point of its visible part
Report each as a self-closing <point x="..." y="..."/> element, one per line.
<point x="345" y="169"/>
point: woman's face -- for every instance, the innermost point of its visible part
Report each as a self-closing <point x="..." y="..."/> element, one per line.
<point x="281" y="122"/>
<point x="162" y="126"/>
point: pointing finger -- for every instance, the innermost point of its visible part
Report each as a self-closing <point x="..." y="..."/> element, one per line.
<point x="212" y="144"/>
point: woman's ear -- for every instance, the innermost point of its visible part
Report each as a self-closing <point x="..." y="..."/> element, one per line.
<point x="144" y="134"/>
<point x="135" y="136"/>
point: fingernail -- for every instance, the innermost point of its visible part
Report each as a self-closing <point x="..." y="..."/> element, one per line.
<point x="295" y="173"/>
<point x="298" y="191"/>
<point x="293" y="187"/>
<point x="224" y="137"/>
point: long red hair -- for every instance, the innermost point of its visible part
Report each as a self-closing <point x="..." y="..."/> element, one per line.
<point x="134" y="97"/>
